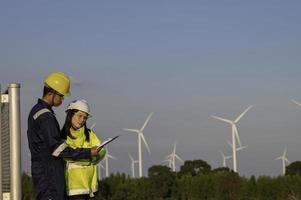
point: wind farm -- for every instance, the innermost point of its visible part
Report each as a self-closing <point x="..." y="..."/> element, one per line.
<point x="200" y="73"/>
<point x="236" y="145"/>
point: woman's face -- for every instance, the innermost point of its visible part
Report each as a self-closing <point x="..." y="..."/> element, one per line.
<point x="79" y="119"/>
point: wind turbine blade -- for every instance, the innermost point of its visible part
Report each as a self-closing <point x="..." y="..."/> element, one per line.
<point x="222" y="119"/>
<point x="279" y="158"/>
<point x="146" y="145"/>
<point x="93" y="125"/>
<point x="242" y="114"/>
<point x="180" y="159"/>
<point x="174" y="148"/>
<point x="101" y="166"/>
<point x="167" y="160"/>
<point x="241" y="148"/>
<point x="110" y="156"/>
<point x="296" y="102"/>
<point x="286" y="160"/>
<point x="146" y="121"/>
<point x="131" y="130"/>
<point x="132" y="159"/>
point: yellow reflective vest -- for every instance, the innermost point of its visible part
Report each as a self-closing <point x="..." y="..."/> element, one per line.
<point x="81" y="175"/>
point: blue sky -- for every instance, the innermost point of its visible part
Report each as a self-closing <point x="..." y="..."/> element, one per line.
<point x="183" y="60"/>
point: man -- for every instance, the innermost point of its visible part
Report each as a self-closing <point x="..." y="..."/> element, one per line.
<point x="46" y="144"/>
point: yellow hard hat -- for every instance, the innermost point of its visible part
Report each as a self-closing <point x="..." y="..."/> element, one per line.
<point x="58" y="81"/>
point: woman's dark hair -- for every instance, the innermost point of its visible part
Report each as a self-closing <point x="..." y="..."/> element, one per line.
<point x="68" y="124"/>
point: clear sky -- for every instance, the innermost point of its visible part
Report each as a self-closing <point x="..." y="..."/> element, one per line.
<point x="182" y="60"/>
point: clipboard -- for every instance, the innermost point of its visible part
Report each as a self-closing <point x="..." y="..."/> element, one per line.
<point x="106" y="142"/>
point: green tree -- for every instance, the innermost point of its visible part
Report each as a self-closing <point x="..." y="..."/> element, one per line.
<point x="221" y="169"/>
<point x="27" y="187"/>
<point x="194" y="168"/>
<point x="161" y="180"/>
<point x="250" y="188"/>
<point x="228" y="185"/>
<point x="294" y="168"/>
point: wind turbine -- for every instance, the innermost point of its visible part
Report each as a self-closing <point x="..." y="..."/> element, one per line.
<point x="141" y="136"/>
<point x="234" y="133"/>
<point x="284" y="159"/>
<point x="173" y="156"/>
<point x="106" y="160"/>
<point x="133" y="162"/>
<point x="225" y="158"/>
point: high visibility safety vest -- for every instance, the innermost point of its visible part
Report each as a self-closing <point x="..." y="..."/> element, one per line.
<point x="81" y="175"/>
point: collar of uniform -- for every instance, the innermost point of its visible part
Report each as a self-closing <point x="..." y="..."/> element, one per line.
<point x="46" y="105"/>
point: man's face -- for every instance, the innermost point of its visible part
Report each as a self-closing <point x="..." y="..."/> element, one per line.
<point x="57" y="99"/>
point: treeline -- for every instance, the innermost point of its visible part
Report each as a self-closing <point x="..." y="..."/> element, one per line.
<point x="195" y="181"/>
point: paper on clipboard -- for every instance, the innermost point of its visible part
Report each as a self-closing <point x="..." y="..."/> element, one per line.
<point x="106" y="142"/>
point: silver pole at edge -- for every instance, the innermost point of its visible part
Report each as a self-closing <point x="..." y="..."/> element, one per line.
<point x="15" y="150"/>
<point x="1" y="194"/>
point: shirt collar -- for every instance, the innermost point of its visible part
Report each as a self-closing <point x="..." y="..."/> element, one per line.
<point x="46" y="105"/>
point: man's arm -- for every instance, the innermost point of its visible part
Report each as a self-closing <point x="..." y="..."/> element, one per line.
<point x="57" y="145"/>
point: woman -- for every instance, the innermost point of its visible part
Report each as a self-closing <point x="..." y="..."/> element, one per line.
<point x="81" y="176"/>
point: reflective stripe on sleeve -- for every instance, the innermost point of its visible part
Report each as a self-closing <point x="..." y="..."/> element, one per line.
<point x="40" y="112"/>
<point x="58" y="150"/>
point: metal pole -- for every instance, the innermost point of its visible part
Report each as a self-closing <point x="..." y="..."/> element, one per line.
<point x="1" y="195"/>
<point x="15" y="150"/>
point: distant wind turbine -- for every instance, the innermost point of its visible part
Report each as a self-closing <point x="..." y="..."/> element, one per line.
<point x="106" y="160"/>
<point x="225" y="158"/>
<point x="234" y="134"/>
<point x="141" y="137"/>
<point x="173" y="156"/>
<point x="133" y="162"/>
<point x="284" y="159"/>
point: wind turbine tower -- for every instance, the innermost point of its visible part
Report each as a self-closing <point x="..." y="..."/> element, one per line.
<point x="106" y="159"/>
<point x="141" y="137"/>
<point x="133" y="162"/>
<point x="284" y="159"/>
<point x="235" y="135"/>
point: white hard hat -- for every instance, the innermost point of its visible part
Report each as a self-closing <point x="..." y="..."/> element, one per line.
<point x="81" y="105"/>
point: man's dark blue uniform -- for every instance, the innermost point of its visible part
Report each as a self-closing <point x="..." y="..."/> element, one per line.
<point x="47" y="152"/>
